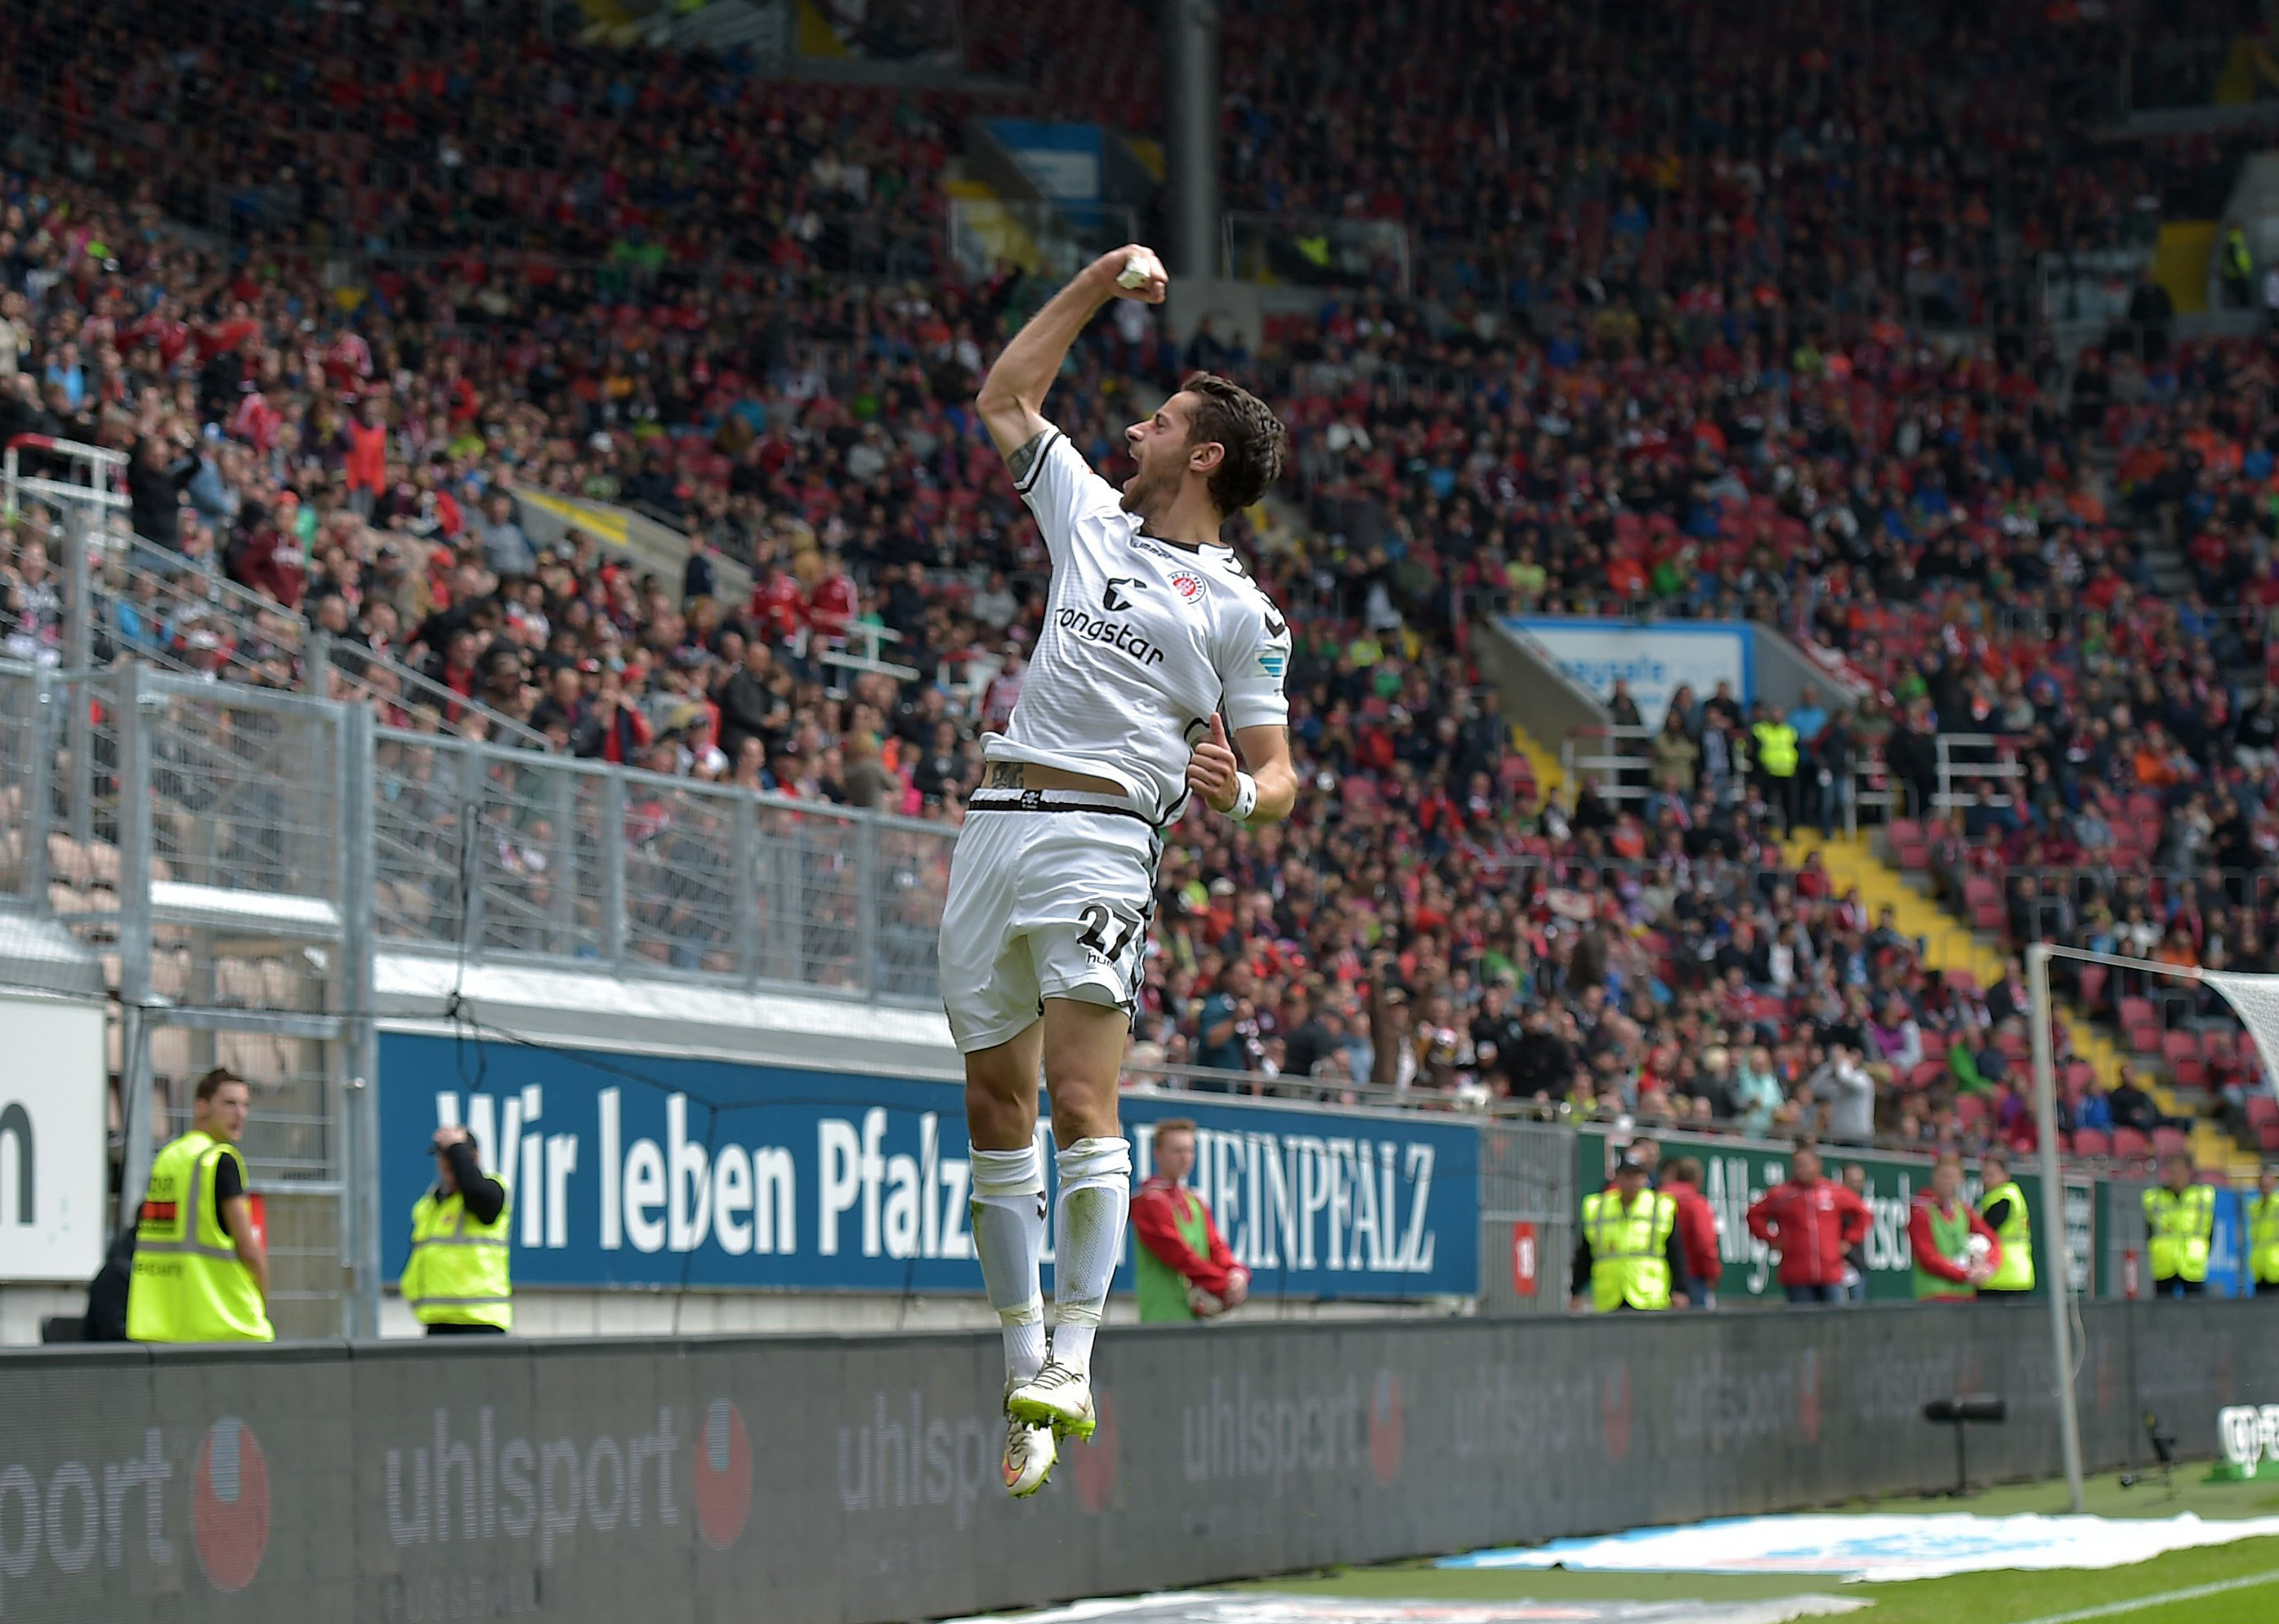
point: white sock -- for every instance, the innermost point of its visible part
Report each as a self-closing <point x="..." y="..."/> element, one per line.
<point x="1008" y="1210"/>
<point x="1095" y="1201"/>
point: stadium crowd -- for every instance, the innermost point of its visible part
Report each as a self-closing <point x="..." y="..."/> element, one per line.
<point x="1725" y="425"/>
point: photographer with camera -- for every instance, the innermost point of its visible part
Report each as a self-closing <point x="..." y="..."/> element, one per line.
<point x="1232" y="1037"/>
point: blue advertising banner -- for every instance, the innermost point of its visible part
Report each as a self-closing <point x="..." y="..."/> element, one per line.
<point x="2227" y="1275"/>
<point x="1654" y="659"/>
<point x="1062" y="161"/>
<point x="657" y="1171"/>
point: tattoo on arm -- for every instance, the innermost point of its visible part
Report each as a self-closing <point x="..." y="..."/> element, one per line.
<point x="1024" y="456"/>
<point x="1006" y="775"/>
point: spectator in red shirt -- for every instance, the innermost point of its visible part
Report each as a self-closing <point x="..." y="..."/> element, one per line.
<point x="1945" y="1200"/>
<point x="1811" y="1221"/>
<point x="1170" y="1219"/>
<point x="777" y="607"/>
<point x="367" y="458"/>
<point x="831" y="607"/>
<point x="1697" y="1230"/>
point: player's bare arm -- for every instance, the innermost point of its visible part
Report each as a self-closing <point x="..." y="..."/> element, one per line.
<point x="1215" y="769"/>
<point x="1012" y="397"/>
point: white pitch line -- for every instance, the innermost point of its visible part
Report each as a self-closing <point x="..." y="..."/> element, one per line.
<point x="2161" y="1599"/>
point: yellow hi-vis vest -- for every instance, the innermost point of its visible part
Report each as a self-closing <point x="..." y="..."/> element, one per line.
<point x="458" y="1274"/>
<point x="2015" y="1272"/>
<point x="189" y="1283"/>
<point x="1629" y="1249"/>
<point x="2180" y="1226"/>
<point x="2263" y="1238"/>
<point x="1776" y="749"/>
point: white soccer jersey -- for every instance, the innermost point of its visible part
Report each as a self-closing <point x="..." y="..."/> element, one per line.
<point x="1143" y="641"/>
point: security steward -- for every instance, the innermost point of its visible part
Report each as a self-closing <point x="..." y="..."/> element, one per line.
<point x="1628" y="1254"/>
<point x="201" y="1272"/>
<point x="2003" y="1205"/>
<point x="2263" y="1231"/>
<point x="457" y="1281"/>
<point x="2180" y="1218"/>
<point x="1777" y="763"/>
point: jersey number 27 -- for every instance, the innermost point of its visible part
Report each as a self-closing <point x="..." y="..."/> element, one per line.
<point x="1106" y="931"/>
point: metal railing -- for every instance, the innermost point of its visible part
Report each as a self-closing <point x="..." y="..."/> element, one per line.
<point x="259" y="630"/>
<point x="1614" y="759"/>
<point x="1977" y="758"/>
<point x="500" y="851"/>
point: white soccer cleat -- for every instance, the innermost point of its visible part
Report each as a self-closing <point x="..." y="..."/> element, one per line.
<point x="1030" y="1452"/>
<point x="1058" y="1397"/>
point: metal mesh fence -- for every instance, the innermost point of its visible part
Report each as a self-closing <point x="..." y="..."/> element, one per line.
<point x="505" y="852"/>
<point x="1527" y="1216"/>
<point x="682" y="885"/>
<point x="419" y="847"/>
<point x="911" y="885"/>
<point x="23" y="776"/>
<point x="244" y="790"/>
<point x="815" y="869"/>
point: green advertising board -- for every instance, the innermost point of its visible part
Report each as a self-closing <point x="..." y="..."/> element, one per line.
<point x="1735" y="1172"/>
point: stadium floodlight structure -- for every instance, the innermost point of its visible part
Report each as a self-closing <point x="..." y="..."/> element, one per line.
<point x="2254" y="998"/>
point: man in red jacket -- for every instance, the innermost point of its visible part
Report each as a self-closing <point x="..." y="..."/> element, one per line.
<point x="1185" y="1270"/>
<point x="1810" y="1221"/>
<point x="1941" y="1228"/>
<point x="1697" y="1229"/>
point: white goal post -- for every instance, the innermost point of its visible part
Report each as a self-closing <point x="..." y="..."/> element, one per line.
<point x="2248" y="996"/>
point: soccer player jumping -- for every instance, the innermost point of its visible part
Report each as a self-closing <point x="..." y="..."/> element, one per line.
<point x="1154" y="633"/>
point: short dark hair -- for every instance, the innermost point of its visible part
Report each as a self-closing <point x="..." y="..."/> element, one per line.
<point x="1685" y="1170"/>
<point x="211" y="1084"/>
<point x="1246" y="427"/>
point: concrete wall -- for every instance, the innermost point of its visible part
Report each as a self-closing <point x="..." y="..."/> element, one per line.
<point x="818" y="1479"/>
<point x="1537" y="695"/>
<point x="1783" y="671"/>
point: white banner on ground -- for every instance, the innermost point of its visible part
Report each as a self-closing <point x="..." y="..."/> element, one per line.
<point x="1265" y="1607"/>
<point x="52" y="1204"/>
<point x="1877" y="1547"/>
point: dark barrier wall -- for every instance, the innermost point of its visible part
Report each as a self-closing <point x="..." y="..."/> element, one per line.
<point x="802" y="1479"/>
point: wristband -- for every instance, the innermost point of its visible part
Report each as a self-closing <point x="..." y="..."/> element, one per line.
<point x="1246" y="798"/>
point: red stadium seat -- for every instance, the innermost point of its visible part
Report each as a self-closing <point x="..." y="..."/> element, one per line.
<point x="2267" y="1137"/>
<point x="2137" y="1012"/>
<point x="1927" y="1073"/>
<point x="2092" y="1142"/>
<point x="2094" y="977"/>
<point x="1971" y="1109"/>
<point x="2262" y="1108"/>
<point x="2130" y="1143"/>
<point x="2177" y="1046"/>
<point x="2168" y="1141"/>
<point x="1916" y="855"/>
<point x="2190" y="1073"/>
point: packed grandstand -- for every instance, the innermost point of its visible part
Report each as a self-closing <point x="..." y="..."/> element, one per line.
<point x="1741" y="317"/>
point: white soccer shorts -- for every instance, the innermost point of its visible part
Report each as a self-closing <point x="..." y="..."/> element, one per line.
<point x="1051" y="893"/>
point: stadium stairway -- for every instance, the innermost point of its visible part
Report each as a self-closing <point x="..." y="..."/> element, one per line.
<point x="1550" y="777"/>
<point x="997" y="229"/>
<point x="1949" y="945"/>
